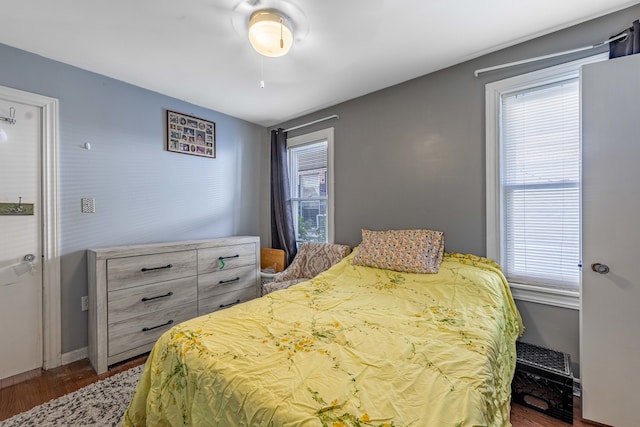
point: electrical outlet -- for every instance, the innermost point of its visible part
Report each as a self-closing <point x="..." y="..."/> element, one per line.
<point x="85" y="303"/>
<point x="88" y="205"/>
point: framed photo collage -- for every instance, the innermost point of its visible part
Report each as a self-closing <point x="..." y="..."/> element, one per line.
<point x="190" y="135"/>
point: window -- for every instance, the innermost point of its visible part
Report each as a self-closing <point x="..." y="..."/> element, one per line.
<point x="310" y="158"/>
<point x="533" y="182"/>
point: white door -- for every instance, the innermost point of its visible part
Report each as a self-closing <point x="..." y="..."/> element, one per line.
<point x="20" y="235"/>
<point x="610" y="312"/>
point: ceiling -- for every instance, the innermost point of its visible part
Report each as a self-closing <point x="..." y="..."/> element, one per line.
<point x="198" y="51"/>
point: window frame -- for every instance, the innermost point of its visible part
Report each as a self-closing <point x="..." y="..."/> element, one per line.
<point x="311" y="138"/>
<point x="549" y="295"/>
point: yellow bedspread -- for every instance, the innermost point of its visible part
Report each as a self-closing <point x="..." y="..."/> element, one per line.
<point x="356" y="346"/>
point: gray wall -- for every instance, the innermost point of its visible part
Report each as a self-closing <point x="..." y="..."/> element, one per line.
<point x="413" y="155"/>
<point x="143" y="193"/>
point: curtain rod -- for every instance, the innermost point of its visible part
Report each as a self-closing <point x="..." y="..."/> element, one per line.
<point x="552" y="55"/>
<point x="335" y="116"/>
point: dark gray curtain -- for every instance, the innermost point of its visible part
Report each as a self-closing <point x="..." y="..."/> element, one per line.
<point x="629" y="45"/>
<point x="282" y="231"/>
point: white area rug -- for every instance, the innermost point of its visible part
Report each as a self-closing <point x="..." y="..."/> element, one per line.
<point x="99" y="404"/>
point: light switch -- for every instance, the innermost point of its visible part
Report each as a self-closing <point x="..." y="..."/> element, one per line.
<point x="88" y="205"/>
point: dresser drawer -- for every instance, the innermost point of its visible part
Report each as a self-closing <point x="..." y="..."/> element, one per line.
<point x="226" y="300"/>
<point x="226" y="257"/>
<point x="212" y="284"/>
<point x="139" y="300"/>
<point x="130" y="333"/>
<point x="140" y="270"/>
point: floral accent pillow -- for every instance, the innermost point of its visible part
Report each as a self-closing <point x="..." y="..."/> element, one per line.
<point x="409" y="251"/>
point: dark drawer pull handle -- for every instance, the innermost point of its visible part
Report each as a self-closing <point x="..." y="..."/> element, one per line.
<point x="224" y="282"/>
<point x="145" y="299"/>
<point x="222" y="258"/>
<point x="156" y="327"/>
<point x="229" y="305"/>
<point x="156" y="268"/>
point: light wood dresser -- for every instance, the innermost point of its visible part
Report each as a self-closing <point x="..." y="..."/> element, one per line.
<point x="136" y="293"/>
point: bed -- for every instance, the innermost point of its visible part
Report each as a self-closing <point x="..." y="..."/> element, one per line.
<point x="355" y="346"/>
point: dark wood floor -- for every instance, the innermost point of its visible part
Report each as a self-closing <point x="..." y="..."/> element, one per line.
<point x="66" y="379"/>
<point x="54" y="383"/>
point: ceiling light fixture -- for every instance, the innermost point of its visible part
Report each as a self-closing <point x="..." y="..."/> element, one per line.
<point x="270" y="33"/>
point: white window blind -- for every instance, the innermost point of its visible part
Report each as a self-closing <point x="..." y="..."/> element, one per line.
<point x="308" y="178"/>
<point x="540" y="184"/>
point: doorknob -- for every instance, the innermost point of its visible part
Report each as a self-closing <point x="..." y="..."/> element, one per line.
<point x="600" y="268"/>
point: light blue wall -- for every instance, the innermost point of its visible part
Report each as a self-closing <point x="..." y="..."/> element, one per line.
<point x="143" y="193"/>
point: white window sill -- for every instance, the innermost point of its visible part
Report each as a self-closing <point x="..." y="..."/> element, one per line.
<point x="555" y="297"/>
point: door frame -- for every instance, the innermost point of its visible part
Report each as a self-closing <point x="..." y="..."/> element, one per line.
<point x="51" y="311"/>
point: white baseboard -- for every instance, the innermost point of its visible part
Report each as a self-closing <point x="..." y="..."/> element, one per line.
<point x="75" y="355"/>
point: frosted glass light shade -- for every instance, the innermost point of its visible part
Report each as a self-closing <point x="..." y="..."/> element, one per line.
<point x="3" y="136"/>
<point x="266" y="31"/>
